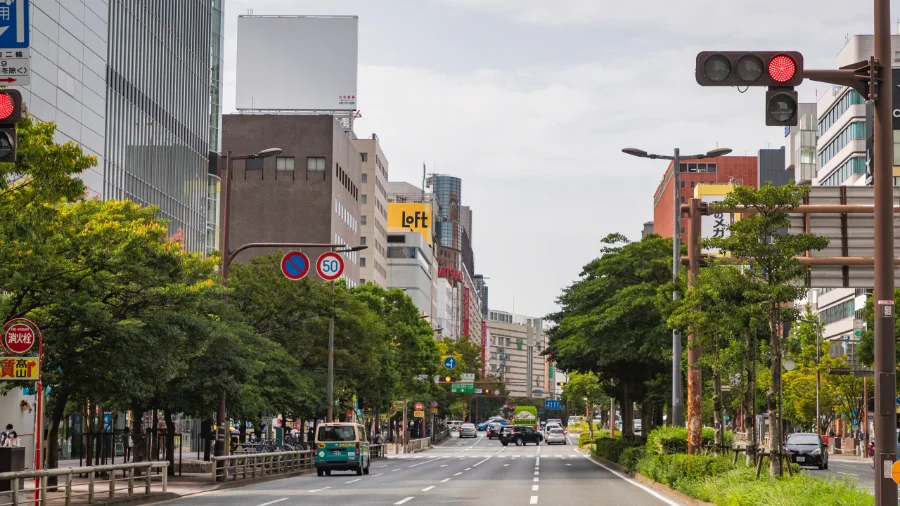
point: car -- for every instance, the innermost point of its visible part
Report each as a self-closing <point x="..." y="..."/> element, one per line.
<point x="520" y="435"/>
<point x="556" y="435"/>
<point x="342" y="447"/>
<point x="467" y="429"/>
<point x="637" y="425"/>
<point x="483" y="425"/>
<point x="454" y="425"/>
<point x="807" y="449"/>
<point x="493" y="429"/>
<point x="550" y="426"/>
<point x="556" y="421"/>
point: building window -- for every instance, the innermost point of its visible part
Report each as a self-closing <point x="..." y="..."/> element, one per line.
<point x="682" y="230"/>
<point x="362" y="261"/>
<point x="682" y="199"/>
<point x="364" y="157"/>
<point x="362" y="219"/>
<point x="362" y="240"/>
<point x="682" y="184"/>
<point x="693" y="184"/>
<point x="365" y="198"/>
<point x="284" y="163"/>
<point x="315" y="164"/>
<point x="362" y="281"/>
<point x="365" y="178"/>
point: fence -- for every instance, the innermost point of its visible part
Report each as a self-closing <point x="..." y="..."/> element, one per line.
<point x="441" y="436"/>
<point x="416" y="445"/>
<point x="25" y="495"/>
<point x="377" y="451"/>
<point x="252" y="465"/>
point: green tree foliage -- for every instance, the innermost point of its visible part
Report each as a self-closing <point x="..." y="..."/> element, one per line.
<point x="610" y="322"/>
<point x="582" y="386"/>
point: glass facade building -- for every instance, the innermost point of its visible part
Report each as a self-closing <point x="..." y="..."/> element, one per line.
<point x="216" y="64"/>
<point x="448" y="192"/>
<point x="158" y="110"/>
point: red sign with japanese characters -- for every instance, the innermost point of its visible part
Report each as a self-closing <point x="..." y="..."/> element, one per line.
<point x="18" y="338"/>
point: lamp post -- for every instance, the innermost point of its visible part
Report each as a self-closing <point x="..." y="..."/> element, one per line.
<point x="677" y="414"/>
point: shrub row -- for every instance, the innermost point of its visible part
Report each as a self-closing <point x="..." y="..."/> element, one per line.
<point x="611" y="449"/>
<point x="672" y="440"/>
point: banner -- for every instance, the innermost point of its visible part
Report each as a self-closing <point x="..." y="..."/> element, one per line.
<point x="410" y="218"/>
<point x="19" y="368"/>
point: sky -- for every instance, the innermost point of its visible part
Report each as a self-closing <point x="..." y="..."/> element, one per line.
<point x="531" y="101"/>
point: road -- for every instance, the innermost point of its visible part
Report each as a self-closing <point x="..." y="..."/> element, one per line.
<point x="841" y="468"/>
<point x="463" y="472"/>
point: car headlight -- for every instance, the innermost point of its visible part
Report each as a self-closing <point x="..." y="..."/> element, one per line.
<point x="817" y="451"/>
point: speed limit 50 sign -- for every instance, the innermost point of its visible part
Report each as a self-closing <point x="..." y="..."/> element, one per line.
<point x="330" y="266"/>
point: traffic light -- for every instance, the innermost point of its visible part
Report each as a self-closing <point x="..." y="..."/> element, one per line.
<point x="781" y="106"/>
<point x="10" y="114"/>
<point x="749" y="68"/>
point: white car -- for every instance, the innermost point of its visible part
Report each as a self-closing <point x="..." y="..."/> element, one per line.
<point x="637" y="425"/>
<point x="550" y="426"/>
<point x="454" y="425"/>
<point x="556" y="435"/>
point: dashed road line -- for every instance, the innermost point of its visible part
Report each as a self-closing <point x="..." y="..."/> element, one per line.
<point x="353" y="481"/>
<point x="534" y="488"/>
<point x="403" y="501"/>
<point x="533" y="499"/>
<point x="426" y="489"/>
<point x="379" y="474"/>
<point x="320" y="489"/>
<point x="481" y="462"/>
<point x="273" y="502"/>
<point x="445" y="480"/>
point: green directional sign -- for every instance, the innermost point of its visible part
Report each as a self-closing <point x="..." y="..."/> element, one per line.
<point x="462" y="388"/>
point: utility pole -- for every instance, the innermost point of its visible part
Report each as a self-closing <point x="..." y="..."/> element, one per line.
<point x="677" y="414"/>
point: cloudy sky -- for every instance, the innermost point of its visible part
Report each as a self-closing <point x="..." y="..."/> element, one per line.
<point x="531" y="101"/>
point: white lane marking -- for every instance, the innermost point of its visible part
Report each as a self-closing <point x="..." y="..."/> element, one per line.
<point x="534" y="488"/>
<point x="353" y="481"/>
<point x="382" y="465"/>
<point x="379" y="474"/>
<point x="395" y="470"/>
<point x="320" y="489"/>
<point x="536" y="480"/>
<point x="426" y="489"/>
<point x="457" y="474"/>
<point x="401" y="501"/>
<point x="539" y="449"/>
<point x="468" y="469"/>
<point x="537" y="473"/>
<point x="443" y="465"/>
<point x="505" y="465"/>
<point x="636" y="484"/>
<point x="273" y="502"/>
<point x="533" y="499"/>
<point x="426" y="462"/>
<point x="537" y="461"/>
<point x="481" y="462"/>
<point x="568" y="464"/>
<point x="445" y="480"/>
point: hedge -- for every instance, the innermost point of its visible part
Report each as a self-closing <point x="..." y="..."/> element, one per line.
<point x="630" y="457"/>
<point x="670" y="440"/>
<point x="611" y="449"/>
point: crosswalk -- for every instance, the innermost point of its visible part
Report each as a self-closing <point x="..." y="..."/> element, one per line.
<point x="432" y="456"/>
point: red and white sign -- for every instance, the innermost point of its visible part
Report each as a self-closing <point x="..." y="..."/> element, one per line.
<point x="18" y="338"/>
<point x="295" y="265"/>
<point x="419" y="406"/>
<point x="330" y="266"/>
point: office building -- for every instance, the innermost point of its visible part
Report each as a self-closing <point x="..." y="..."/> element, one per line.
<point x="720" y="170"/>
<point x="409" y="261"/>
<point x="647" y="230"/>
<point x="770" y="168"/>
<point x="800" y="155"/>
<point x="309" y="193"/>
<point x="512" y="338"/>
<point x="117" y="107"/>
<point x="373" y="202"/>
<point x="482" y="287"/>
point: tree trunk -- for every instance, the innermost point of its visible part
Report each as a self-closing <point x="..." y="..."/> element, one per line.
<point x="590" y="421"/>
<point x="137" y="434"/>
<point x="170" y="440"/>
<point x="59" y="409"/>
<point x="242" y="431"/>
<point x="772" y="396"/>
<point x="646" y="419"/>
<point x="750" y="400"/>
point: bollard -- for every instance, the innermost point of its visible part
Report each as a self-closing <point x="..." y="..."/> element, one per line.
<point x="131" y="481"/>
<point x="69" y="489"/>
<point x="91" y="475"/>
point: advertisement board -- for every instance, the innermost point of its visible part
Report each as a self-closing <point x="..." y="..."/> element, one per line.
<point x="297" y="63"/>
<point x="404" y="217"/>
<point x="716" y="225"/>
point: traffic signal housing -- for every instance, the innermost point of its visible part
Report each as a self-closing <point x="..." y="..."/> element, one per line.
<point x="781" y="106"/>
<point x="749" y="68"/>
<point x="10" y="114"/>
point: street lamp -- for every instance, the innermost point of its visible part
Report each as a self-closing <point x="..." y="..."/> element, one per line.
<point x="677" y="403"/>
<point x="330" y="417"/>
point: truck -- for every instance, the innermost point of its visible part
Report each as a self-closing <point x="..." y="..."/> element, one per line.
<point x="525" y="415"/>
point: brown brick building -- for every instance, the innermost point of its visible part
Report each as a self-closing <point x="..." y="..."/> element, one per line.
<point x="720" y="170"/>
<point x="309" y="193"/>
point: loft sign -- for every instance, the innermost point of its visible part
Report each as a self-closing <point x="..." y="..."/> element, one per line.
<point x="415" y="220"/>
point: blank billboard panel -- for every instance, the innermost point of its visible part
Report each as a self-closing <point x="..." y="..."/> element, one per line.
<point x="300" y="63"/>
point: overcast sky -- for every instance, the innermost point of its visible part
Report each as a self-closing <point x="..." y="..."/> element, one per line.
<point x="531" y="101"/>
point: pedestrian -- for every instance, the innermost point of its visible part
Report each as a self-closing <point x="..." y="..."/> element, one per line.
<point x="129" y="443"/>
<point x="12" y="439"/>
<point x="5" y="434"/>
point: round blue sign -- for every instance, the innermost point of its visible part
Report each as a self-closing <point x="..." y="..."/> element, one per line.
<point x="450" y="363"/>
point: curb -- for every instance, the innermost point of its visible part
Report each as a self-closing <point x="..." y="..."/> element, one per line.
<point x="173" y="496"/>
<point x="655" y="485"/>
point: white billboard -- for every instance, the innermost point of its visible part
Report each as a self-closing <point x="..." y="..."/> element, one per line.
<point x="300" y="63"/>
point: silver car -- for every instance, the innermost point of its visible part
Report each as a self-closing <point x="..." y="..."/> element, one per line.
<point x="556" y="435"/>
<point x="467" y="430"/>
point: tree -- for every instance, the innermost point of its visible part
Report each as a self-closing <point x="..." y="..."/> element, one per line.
<point x="582" y="386"/>
<point x="610" y="321"/>
<point x="760" y="243"/>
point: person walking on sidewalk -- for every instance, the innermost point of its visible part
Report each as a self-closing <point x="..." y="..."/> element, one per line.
<point x="129" y="443"/>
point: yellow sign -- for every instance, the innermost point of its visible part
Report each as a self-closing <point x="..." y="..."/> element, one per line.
<point x="410" y="217"/>
<point x="895" y="472"/>
<point x="19" y="368"/>
<point x="418" y="414"/>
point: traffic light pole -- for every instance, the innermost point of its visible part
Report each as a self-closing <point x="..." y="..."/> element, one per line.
<point x="677" y="415"/>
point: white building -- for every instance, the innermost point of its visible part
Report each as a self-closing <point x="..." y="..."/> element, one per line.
<point x="373" y="203"/>
<point x="511" y="338"/>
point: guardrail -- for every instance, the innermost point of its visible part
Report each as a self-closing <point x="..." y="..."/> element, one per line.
<point x="253" y="465"/>
<point x="377" y="451"/>
<point x="26" y="495"/>
<point x="441" y="436"/>
<point x="415" y="445"/>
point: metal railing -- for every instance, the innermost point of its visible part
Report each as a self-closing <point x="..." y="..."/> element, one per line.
<point x="26" y="495"/>
<point x="415" y="445"/>
<point x="252" y="465"/>
<point x="441" y="436"/>
<point x="377" y="451"/>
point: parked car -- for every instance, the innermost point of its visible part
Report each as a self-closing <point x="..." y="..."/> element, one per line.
<point x="556" y="435"/>
<point x="483" y="425"/>
<point x="807" y="449"/>
<point x="520" y="435"/>
<point x="454" y="425"/>
<point x="467" y="430"/>
<point x="637" y="425"/>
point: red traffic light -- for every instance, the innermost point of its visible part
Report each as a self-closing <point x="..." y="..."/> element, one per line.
<point x="7" y="106"/>
<point x="10" y="107"/>
<point x="782" y="68"/>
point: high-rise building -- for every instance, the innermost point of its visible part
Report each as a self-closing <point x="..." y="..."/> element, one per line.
<point x="482" y="288"/>
<point x="130" y="82"/>
<point x="511" y="339"/>
<point x="409" y="260"/>
<point x="309" y="193"/>
<point x="720" y="170"/>
<point x="373" y="202"/>
<point x="800" y="155"/>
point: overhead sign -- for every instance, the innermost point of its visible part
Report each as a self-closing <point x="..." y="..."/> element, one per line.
<point x="478" y="391"/>
<point x="467" y="376"/>
<point x="419" y="414"/>
<point x="552" y="405"/>
<point x="19" y="368"/>
<point x="419" y="406"/>
<point x="450" y="363"/>
<point x="295" y="265"/>
<point x="462" y="388"/>
<point x="14" y="24"/>
<point x="15" y="66"/>
<point x="330" y="266"/>
<point x="417" y="217"/>
<point x="18" y="338"/>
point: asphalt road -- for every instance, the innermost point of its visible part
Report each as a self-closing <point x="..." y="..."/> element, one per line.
<point x="848" y="468"/>
<point x="462" y="472"/>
